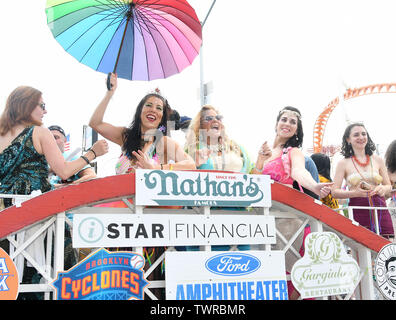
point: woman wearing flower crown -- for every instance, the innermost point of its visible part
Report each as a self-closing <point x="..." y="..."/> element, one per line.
<point x="143" y="143"/>
<point x="367" y="179"/>
<point x="285" y="162"/>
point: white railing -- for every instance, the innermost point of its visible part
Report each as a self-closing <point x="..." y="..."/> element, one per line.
<point x="53" y="230"/>
<point x="370" y="209"/>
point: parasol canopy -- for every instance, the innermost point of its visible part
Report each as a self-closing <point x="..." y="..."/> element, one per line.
<point x="137" y="39"/>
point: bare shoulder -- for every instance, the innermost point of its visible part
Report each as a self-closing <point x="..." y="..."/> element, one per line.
<point x="41" y="137"/>
<point x="342" y="162"/>
<point x="41" y="132"/>
<point x="296" y="152"/>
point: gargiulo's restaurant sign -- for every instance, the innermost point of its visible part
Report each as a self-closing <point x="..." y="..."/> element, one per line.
<point x="325" y="269"/>
<point x="198" y="188"/>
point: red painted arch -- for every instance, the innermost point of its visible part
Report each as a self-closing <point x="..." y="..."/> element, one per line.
<point x="50" y="203"/>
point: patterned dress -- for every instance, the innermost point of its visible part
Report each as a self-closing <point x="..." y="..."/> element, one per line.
<point x="22" y="168"/>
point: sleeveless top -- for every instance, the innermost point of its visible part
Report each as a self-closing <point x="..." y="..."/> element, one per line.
<point x="22" y="168"/>
<point x="280" y="168"/>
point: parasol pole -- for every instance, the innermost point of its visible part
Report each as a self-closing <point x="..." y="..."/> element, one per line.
<point x="129" y="16"/>
<point x="201" y="69"/>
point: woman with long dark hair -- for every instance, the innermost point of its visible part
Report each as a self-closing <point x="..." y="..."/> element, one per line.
<point x="285" y="162"/>
<point x="367" y="179"/>
<point x="143" y="143"/>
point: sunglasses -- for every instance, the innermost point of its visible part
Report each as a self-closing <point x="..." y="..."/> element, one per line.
<point x="42" y="105"/>
<point x="211" y="118"/>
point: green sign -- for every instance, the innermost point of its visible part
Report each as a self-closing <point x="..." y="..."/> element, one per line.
<point x="197" y="188"/>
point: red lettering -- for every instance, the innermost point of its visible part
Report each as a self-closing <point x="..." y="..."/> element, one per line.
<point x="86" y="289"/>
<point x="105" y="280"/>
<point x="134" y="284"/>
<point x="124" y="279"/>
<point x="115" y="278"/>
<point x="76" y="287"/>
<point x="65" y="282"/>
<point x="95" y="286"/>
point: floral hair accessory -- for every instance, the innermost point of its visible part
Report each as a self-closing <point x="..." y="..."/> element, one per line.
<point x="294" y="113"/>
<point x="158" y="92"/>
<point x="162" y="128"/>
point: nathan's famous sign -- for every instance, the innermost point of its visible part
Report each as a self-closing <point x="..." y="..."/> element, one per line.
<point x="190" y="188"/>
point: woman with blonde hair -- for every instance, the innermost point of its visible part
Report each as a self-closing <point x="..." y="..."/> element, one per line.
<point x="208" y="144"/>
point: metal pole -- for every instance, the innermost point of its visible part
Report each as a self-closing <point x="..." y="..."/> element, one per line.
<point x="201" y="73"/>
<point x="202" y="85"/>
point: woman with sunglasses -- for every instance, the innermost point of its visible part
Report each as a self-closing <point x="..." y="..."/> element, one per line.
<point x="27" y="148"/>
<point x="208" y="143"/>
<point x="144" y="143"/>
<point x="366" y="177"/>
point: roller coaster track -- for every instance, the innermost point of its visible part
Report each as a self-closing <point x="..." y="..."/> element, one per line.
<point x="321" y="121"/>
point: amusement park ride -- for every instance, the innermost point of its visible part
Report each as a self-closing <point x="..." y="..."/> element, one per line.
<point x="323" y="118"/>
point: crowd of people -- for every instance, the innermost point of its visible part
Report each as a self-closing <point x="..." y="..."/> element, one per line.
<point x="32" y="158"/>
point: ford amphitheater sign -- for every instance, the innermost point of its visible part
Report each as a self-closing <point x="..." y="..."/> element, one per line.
<point x="225" y="275"/>
<point x="199" y="188"/>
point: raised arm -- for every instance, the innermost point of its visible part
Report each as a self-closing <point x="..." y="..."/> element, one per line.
<point x="107" y="130"/>
<point x="45" y="144"/>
